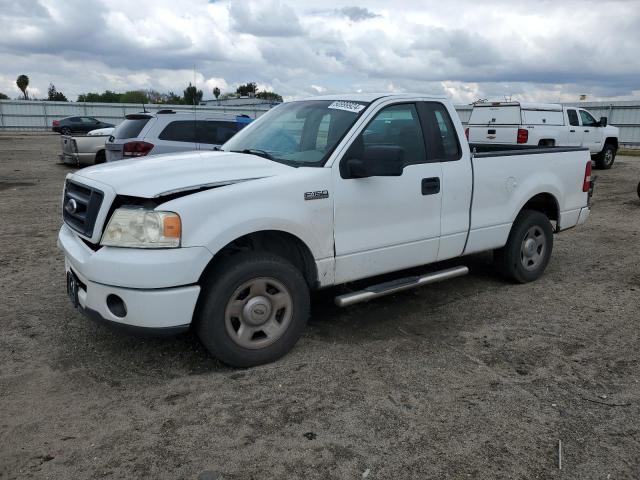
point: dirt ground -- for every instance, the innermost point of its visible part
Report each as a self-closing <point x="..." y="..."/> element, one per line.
<point x="474" y="378"/>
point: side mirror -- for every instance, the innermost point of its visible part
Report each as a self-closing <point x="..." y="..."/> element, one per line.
<point x="377" y="161"/>
<point x="603" y="121"/>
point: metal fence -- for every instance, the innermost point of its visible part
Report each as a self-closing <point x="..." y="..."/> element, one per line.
<point x="39" y="115"/>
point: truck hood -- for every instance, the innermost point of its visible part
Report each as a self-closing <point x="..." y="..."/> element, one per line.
<point x="171" y="173"/>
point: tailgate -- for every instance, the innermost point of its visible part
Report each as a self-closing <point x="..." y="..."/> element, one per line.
<point x="493" y="134"/>
<point x="69" y="146"/>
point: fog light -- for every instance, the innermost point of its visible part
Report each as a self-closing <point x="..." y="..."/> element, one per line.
<point x="116" y="306"/>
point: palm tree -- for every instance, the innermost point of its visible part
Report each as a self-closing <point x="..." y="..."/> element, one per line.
<point x="23" y="83"/>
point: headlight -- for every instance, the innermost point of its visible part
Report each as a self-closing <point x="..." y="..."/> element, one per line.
<point x="140" y="228"/>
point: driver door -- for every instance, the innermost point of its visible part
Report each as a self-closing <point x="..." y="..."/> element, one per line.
<point x="386" y="223"/>
<point x="591" y="128"/>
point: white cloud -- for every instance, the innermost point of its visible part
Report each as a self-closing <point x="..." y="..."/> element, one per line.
<point x="528" y="49"/>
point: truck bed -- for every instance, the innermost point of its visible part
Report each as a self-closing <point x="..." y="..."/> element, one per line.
<point x="81" y="149"/>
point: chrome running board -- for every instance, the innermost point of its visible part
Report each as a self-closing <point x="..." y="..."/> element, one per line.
<point x="394" y="286"/>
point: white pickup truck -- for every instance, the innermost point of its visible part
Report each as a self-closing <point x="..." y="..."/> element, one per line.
<point x="543" y="124"/>
<point x="84" y="149"/>
<point x="315" y="193"/>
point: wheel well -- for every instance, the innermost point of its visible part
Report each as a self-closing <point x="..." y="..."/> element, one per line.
<point x="279" y="243"/>
<point x="612" y="141"/>
<point x="547" y="142"/>
<point x="544" y="203"/>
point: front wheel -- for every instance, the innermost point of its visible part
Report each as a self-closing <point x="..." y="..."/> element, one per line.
<point x="528" y="249"/>
<point x="253" y="309"/>
<point x="605" y="159"/>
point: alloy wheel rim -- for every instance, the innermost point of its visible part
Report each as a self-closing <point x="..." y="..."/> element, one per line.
<point x="258" y="312"/>
<point x="608" y="157"/>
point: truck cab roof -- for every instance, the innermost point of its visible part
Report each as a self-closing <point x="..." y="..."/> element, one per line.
<point x="370" y="97"/>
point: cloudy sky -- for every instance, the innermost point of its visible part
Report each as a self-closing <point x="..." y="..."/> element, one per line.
<point x="546" y="50"/>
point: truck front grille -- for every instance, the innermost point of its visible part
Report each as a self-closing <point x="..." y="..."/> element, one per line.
<point x="80" y="207"/>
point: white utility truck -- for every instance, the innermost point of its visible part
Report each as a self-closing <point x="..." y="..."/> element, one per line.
<point x="543" y="124"/>
<point x="315" y="193"/>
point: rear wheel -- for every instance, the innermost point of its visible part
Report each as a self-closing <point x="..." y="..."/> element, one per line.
<point x="65" y="131"/>
<point x="253" y="308"/>
<point x="605" y="159"/>
<point x="100" y="157"/>
<point x="528" y="249"/>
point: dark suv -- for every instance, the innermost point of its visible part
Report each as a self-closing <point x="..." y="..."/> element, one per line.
<point x="70" y="125"/>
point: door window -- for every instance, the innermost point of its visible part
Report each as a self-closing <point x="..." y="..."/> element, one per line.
<point x="179" y="131"/>
<point x="587" y="119"/>
<point x="573" y="118"/>
<point x="88" y="120"/>
<point x="398" y="126"/>
<point x="215" y="132"/>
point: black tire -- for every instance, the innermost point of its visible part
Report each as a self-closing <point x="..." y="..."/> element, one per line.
<point x="639" y="190"/>
<point x="523" y="261"/>
<point x="216" y="327"/>
<point x="65" y="131"/>
<point x="100" y="157"/>
<point x="605" y="159"/>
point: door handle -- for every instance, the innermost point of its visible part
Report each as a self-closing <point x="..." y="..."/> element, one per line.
<point x="430" y="186"/>
<point x="572" y="131"/>
<point x="587" y="131"/>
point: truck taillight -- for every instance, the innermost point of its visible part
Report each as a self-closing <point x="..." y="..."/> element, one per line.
<point x="586" y="184"/>
<point x="466" y="133"/>
<point x="523" y="135"/>
<point x="136" y="149"/>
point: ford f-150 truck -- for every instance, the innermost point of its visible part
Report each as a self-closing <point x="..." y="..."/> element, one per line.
<point x="543" y="124"/>
<point x="315" y="193"/>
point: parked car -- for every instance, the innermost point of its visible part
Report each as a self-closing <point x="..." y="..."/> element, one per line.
<point x="102" y="131"/>
<point x="168" y="131"/>
<point x="69" y="125"/>
<point x="543" y="124"/>
<point x="315" y="193"/>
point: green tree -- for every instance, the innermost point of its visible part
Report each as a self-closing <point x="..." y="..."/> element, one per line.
<point x="107" y="97"/>
<point x="23" y="82"/>
<point x="216" y="92"/>
<point x="192" y="96"/>
<point x="134" y="96"/>
<point x="273" y="96"/>
<point x="247" y="88"/>
<point x="173" y="99"/>
<point x="54" y="95"/>
<point x="3" y="96"/>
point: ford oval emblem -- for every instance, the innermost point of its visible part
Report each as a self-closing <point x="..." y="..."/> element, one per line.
<point x="71" y="206"/>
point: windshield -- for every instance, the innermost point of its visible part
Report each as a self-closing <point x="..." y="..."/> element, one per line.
<point x="298" y="133"/>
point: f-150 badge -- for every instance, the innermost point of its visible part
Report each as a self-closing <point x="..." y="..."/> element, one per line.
<point x="317" y="195"/>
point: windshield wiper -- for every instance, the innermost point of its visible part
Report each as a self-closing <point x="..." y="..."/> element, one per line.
<point x="255" y="151"/>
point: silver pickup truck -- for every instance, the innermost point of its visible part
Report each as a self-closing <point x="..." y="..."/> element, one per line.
<point x="84" y="149"/>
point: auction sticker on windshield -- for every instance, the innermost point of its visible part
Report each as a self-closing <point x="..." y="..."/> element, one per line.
<point x="347" y="106"/>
